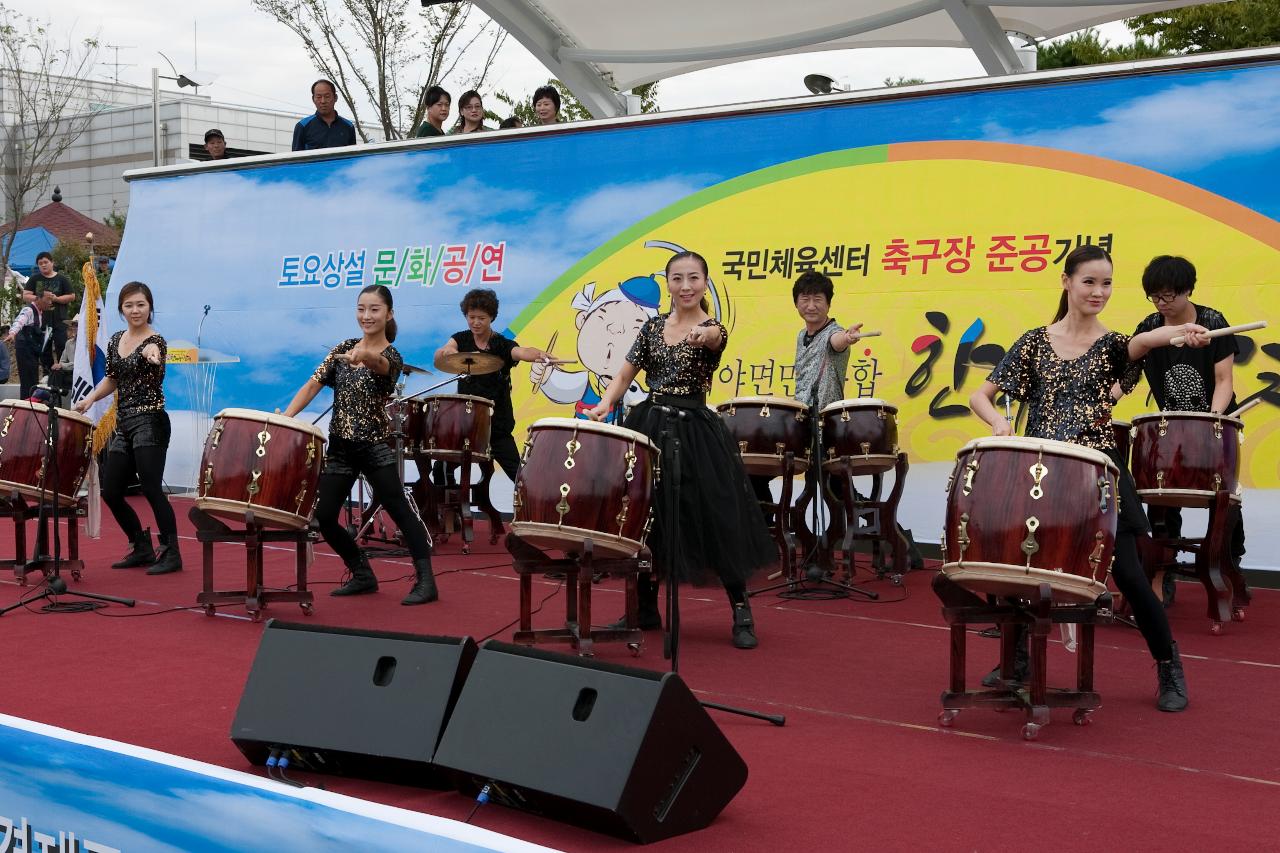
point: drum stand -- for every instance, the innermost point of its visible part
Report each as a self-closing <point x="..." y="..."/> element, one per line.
<point x="669" y="451"/>
<point x="254" y="536"/>
<point x="51" y="566"/>
<point x="962" y="608"/>
<point x="1215" y="565"/>
<point x="814" y="571"/>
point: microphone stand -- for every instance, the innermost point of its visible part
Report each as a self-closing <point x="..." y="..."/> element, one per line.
<point x="669" y="452"/>
<point x="51" y="566"/>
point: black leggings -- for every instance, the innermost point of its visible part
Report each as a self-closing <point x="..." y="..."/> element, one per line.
<point x="503" y="448"/>
<point x="1148" y="611"/>
<point x="334" y="491"/>
<point x="116" y="474"/>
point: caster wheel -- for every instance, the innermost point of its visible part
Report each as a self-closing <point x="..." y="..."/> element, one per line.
<point x="1215" y="628"/>
<point x="1081" y="717"/>
<point x="75" y="576"/>
<point x="1237" y="615"/>
<point x="210" y="610"/>
<point x="22" y="581"/>
<point x="947" y="718"/>
<point x="308" y="609"/>
<point x="1030" y="731"/>
<point x="466" y="549"/>
<point x="635" y="649"/>
<point x="255" y="615"/>
<point x="897" y="580"/>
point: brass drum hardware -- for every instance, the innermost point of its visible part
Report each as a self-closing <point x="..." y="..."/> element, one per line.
<point x="1164" y="426"/>
<point x="302" y="494"/>
<point x="801" y="414"/>
<point x="524" y="452"/>
<point x="844" y="415"/>
<point x="1029" y="545"/>
<point x="621" y="517"/>
<point x="962" y="534"/>
<point x="517" y="502"/>
<point x="466" y="443"/>
<point x="733" y="410"/>
<point x="253" y="488"/>
<point x="1095" y="559"/>
<point x="742" y="447"/>
<point x="1104" y="493"/>
<point x="468" y="406"/>
<point x="779" y="449"/>
<point x="563" y="507"/>
<point x="263" y="438"/>
<point x="311" y="453"/>
<point x="764" y="411"/>
<point x="573" y="446"/>
<point x="1038" y="473"/>
<point x="1217" y="482"/>
<point x="831" y="453"/>
<point x="881" y="414"/>
<point x="1159" y="481"/>
<point x="8" y="422"/>
<point x="970" y="471"/>
<point x="1217" y="429"/>
<point x="630" y="457"/>
<point x="208" y="480"/>
<point x="216" y="435"/>
<point x="866" y="448"/>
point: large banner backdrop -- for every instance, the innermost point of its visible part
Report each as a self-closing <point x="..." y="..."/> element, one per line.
<point x="942" y="218"/>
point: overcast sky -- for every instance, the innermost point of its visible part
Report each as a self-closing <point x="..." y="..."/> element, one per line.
<point x="260" y="63"/>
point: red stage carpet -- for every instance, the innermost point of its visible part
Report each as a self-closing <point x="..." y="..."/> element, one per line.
<point x="861" y="763"/>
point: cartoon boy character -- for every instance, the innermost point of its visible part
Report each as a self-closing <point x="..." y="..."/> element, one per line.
<point x="607" y="326"/>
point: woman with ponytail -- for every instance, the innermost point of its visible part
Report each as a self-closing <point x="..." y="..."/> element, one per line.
<point x="362" y="373"/>
<point x="1064" y="373"/>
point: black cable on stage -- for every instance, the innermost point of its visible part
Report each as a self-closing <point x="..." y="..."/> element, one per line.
<point x="516" y="621"/>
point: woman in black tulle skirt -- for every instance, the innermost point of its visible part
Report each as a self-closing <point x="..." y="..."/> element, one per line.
<point x="720" y="530"/>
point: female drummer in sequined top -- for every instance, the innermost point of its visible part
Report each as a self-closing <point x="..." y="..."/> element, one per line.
<point x="1063" y="373"/>
<point x="722" y="532"/>
<point x="362" y="373"/>
<point x="135" y="373"/>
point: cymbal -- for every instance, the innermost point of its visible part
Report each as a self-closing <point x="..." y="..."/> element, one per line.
<point x="410" y="369"/>
<point x="470" y="363"/>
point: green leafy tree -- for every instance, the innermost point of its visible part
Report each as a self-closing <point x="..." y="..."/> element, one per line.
<point x="571" y="109"/>
<point x="890" y="82"/>
<point x="1215" y="26"/>
<point x="1087" y="47"/>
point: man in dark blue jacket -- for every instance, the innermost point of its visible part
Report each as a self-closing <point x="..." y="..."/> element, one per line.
<point x="324" y="128"/>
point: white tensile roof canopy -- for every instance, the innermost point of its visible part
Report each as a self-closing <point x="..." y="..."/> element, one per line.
<point x="600" y="47"/>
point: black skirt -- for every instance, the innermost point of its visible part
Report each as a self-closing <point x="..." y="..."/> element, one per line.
<point x="722" y="532"/>
<point x="140" y="429"/>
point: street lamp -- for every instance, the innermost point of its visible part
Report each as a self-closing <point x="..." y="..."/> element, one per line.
<point x="195" y="80"/>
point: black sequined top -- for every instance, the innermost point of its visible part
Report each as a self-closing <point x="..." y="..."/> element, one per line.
<point x="360" y="396"/>
<point x="681" y="370"/>
<point x="1067" y="400"/>
<point x="139" y="383"/>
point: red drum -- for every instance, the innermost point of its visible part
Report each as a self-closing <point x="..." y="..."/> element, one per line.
<point x="267" y="464"/>
<point x="1185" y="458"/>
<point x="1123" y="433"/>
<point x="24" y="431"/>
<point x="445" y="425"/>
<point x="860" y="436"/>
<point x="765" y="428"/>
<point x="584" y="480"/>
<point x="1027" y="511"/>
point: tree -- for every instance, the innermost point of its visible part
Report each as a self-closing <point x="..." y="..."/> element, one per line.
<point x="890" y="82"/>
<point x="379" y="54"/>
<point x="1086" y="47"/>
<point x="571" y="109"/>
<point x="1216" y="26"/>
<point x="43" y="79"/>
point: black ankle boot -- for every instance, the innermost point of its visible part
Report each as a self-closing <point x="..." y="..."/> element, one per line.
<point x="169" y="559"/>
<point x="744" y="626"/>
<point x="140" y="552"/>
<point x="648" y="617"/>
<point x="1021" y="661"/>
<point x="1171" y="683"/>
<point x="424" y="588"/>
<point x="362" y="579"/>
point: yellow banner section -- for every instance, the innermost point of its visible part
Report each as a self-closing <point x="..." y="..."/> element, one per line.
<point x="951" y="249"/>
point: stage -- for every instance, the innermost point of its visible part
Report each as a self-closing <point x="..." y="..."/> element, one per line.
<point x="860" y="764"/>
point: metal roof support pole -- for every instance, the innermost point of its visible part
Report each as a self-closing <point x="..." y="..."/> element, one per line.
<point x="985" y="36"/>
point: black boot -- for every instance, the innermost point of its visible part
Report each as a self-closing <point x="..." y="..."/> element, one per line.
<point x="140" y="552"/>
<point x="362" y="579"/>
<point x="915" y="560"/>
<point x="647" y="615"/>
<point x="1021" y="661"/>
<point x="168" y="558"/>
<point x="1168" y="589"/>
<point x="424" y="588"/>
<point x="1171" y="683"/>
<point x="744" y="626"/>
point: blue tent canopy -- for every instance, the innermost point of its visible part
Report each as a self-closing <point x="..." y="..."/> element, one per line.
<point x="28" y="243"/>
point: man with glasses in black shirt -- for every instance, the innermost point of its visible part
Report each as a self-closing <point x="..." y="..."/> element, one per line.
<point x="1183" y="379"/>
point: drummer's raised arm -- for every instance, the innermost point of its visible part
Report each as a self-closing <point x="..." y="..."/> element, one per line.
<point x="448" y="349"/>
<point x="983" y="404"/>
<point x="529" y="354"/>
<point x="303" y="398"/>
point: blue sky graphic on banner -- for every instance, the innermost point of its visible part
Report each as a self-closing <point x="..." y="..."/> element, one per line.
<point x="150" y="802"/>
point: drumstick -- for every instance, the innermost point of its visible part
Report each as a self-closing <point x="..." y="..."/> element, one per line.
<point x="1229" y="330"/>
<point x="551" y="344"/>
<point x="874" y="334"/>
<point x="1256" y="401"/>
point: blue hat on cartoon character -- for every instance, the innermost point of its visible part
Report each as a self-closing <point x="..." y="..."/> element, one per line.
<point x="643" y="290"/>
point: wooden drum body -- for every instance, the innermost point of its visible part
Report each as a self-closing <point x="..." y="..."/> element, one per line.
<point x="24" y="436"/>
<point x="584" y="480"/>
<point x="1027" y="511"/>
<point x="765" y="428"/>
<point x="450" y="424"/>
<point x="1186" y="458"/>
<point x="860" y="436"/>
<point x="261" y="463"/>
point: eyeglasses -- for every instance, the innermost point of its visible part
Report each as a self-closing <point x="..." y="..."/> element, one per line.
<point x="1163" y="298"/>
